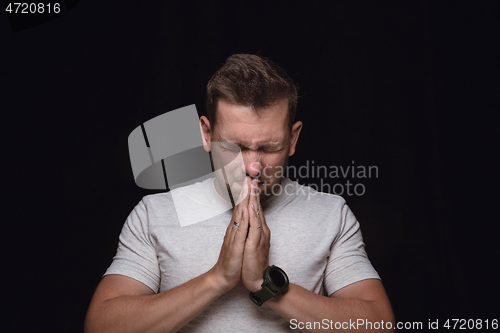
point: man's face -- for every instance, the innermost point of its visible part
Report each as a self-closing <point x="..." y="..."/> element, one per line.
<point x="264" y="139"/>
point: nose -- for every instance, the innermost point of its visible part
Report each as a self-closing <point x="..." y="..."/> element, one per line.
<point x="252" y="165"/>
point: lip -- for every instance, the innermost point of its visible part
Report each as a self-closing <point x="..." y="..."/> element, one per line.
<point x="241" y="182"/>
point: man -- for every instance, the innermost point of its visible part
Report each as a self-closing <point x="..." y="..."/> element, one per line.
<point x="218" y="275"/>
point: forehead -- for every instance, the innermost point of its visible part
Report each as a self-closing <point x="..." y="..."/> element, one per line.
<point x="246" y="125"/>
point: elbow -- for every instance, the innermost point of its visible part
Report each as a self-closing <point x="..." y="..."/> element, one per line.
<point x="94" y="321"/>
<point x="390" y="318"/>
<point x="390" y="322"/>
<point x="387" y="315"/>
<point x="90" y="324"/>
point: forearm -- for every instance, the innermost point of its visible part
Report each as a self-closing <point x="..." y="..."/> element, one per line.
<point x="167" y="311"/>
<point x="305" y="306"/>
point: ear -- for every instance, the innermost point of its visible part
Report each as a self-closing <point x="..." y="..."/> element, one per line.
<point x="206" y="132"/>
<point x="294" y="137"/>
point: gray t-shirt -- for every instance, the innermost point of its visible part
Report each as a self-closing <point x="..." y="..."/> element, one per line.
<point x="315" y="239"/>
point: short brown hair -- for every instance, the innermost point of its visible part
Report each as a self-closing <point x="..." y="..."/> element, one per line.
<point x="253" y="81"/>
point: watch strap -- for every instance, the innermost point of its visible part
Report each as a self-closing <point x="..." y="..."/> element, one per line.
<point x="262" y="296"/>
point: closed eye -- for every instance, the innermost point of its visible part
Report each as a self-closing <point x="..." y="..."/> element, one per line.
<point x="229" y="146"/>
<point x="272" y="149"/>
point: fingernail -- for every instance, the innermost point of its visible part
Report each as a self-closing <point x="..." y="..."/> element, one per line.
<point x="251" y="205"/>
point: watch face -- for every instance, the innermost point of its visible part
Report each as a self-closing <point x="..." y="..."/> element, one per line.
<point x="278" y="277"/>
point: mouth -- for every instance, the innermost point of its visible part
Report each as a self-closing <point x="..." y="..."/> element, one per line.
<point x="240" y="182"/>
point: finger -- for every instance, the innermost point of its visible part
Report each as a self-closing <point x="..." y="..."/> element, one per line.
<point x="255" y="201"/>
<point x="254" y="229"/>
<point x="228" y="235"/>
<point x="262" y="217"/>
<point x="254" y="192"/>
<point x="259" y="210"/>
<point x="230" y="226"/>
<point x="263" y="224"/>
<point x="251" y="200"/>
<point x="241" y="233"/>
<point x="246" y="191"/>
<point x="243" y="192"/>
<point x="235" y="223"/>
<point x="256" y="198"/>
<point x="244" y="202"/>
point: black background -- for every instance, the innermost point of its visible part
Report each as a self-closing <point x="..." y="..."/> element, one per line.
<point x="410" y="87"/>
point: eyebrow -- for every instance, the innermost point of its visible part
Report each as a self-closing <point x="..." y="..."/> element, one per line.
<point x="273" y="144"/>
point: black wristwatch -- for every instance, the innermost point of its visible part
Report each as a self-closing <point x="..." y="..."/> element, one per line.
<point x="275" y="283"/>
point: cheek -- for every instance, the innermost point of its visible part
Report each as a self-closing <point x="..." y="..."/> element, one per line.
<point x="274" y="166"/>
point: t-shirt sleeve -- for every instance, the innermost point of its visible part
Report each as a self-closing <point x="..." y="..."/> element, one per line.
<point x="136" y="255"/>
<point x="348" y="262"/>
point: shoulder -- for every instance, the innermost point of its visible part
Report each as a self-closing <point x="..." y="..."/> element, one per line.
<point x="171" y="206"/>
<point x="312" y="197"/>
<point x="164" y="199"/>
<point x="156" y="202"/>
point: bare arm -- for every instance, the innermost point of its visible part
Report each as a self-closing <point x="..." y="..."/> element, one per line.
<point x="365" y="300"/>
<point x="122" y="304"/>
